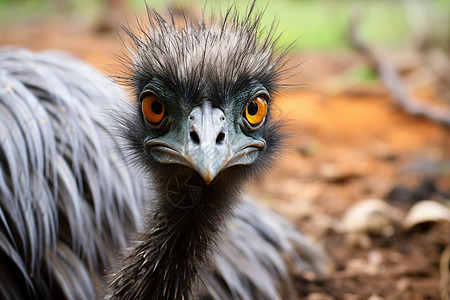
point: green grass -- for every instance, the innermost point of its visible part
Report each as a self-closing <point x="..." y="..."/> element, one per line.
<point x="322" y="25"/>
<point x="312" y="24"/>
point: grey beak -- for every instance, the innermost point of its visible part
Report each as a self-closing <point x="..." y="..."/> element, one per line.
<point x="207" y="146"/>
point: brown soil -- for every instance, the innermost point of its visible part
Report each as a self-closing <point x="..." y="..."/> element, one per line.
<point x="346" y="145"/>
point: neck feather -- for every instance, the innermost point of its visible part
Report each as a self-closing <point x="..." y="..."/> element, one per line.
<point x="182" y="229"/>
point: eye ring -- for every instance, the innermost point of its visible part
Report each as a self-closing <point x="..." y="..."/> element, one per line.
<point x="255" y="112"/>
<point x="153" y="110"/>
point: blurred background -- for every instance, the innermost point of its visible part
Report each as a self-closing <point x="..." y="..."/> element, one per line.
<point x="367" y="172"/>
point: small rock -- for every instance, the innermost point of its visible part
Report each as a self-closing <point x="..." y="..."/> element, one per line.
<point x="358" y="239"/>
<point x="371" y="266"/>
<point x="350" y="297"/>
<point x="414" y="192"/>
<point x="308" y="275"/>
<point x="372" y="216"/>
<point x="426" y="211"/>
<point x="357" y="266"/>
<point x="375" y="257"/>
<point x="403" y="284"/>
<point x="319" y="296"/>
<point x="335" y="173"/>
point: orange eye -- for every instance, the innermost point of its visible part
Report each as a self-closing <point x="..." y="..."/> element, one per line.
<point x="256" y="110"/>
<point x="153" y="109"/>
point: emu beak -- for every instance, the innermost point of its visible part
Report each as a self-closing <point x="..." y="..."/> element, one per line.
<point x="212" y="146"/>
<point x="207" y="145"/>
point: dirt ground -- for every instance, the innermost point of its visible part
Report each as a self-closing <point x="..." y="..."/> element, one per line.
<point x="346" y="145"/>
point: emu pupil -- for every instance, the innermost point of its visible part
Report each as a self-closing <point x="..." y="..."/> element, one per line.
<point x="157" y="107"/>
<point x="252" y="108"/>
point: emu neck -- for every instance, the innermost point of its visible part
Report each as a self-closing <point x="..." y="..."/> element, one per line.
<point x="182" y="229"/>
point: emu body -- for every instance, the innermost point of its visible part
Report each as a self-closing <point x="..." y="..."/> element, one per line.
<point x="84" y="173"/>
<point x="66" y="200"/>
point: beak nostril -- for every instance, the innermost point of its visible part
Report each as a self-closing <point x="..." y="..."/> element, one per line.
<point x="220" y="138"/>
<point x="194" y="137"/>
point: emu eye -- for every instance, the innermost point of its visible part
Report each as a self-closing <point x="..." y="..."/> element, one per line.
<point x="256" y="110"/>
<point x="153" y="109"/>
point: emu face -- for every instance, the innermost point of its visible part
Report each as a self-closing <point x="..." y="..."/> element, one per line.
<point x="205" y="138"/>
<point x="203" y="96"/>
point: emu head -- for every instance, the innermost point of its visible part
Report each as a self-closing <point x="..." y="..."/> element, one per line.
<point x="204" y="95"/>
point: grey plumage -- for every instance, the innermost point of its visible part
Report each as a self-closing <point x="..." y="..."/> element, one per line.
<point x="74" y="176"/>
<point x="257" y="258"/>
<point x="63" y="195"/>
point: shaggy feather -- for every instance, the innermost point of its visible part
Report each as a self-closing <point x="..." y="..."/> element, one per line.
<point x="258" y="256"/>
<point x="227" y="52"/>
<point x="64" y="204"/>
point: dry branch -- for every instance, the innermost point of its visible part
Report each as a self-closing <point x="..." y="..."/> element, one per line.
<point x="393" y="82"/>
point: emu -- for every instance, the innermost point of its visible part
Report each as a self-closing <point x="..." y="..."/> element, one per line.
<point x="85" y="174"/>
